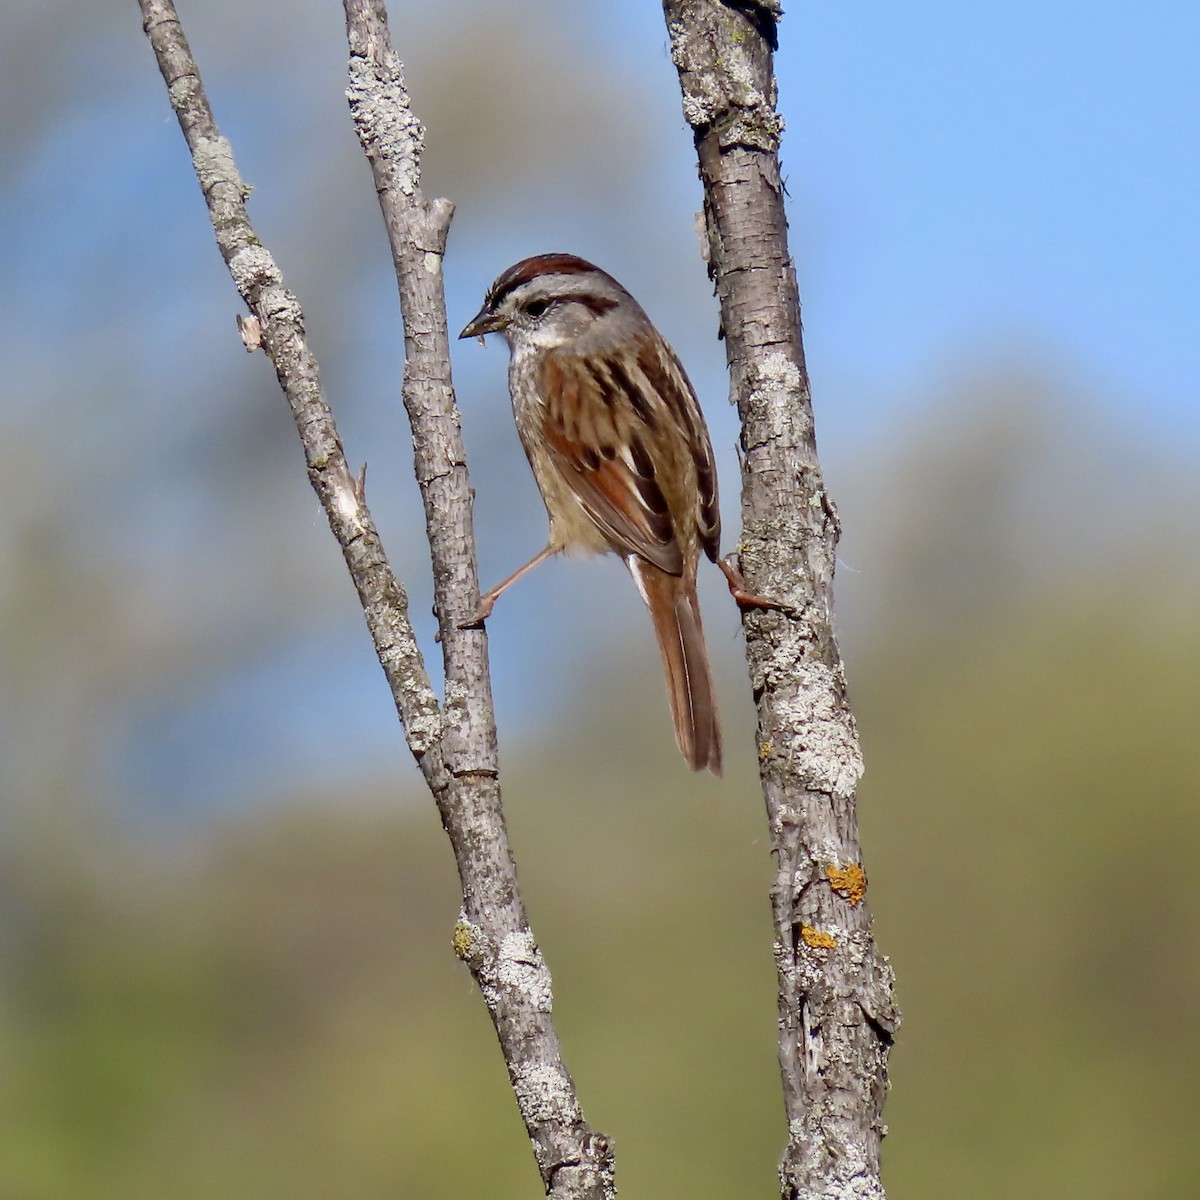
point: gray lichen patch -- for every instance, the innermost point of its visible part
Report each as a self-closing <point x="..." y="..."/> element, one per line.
<point x="521" y="968"/>
<point x="824" y="750"/>
<point x="723" y="83"/>
<point x="214" y="162"/>
<point x="544" y="1093"/>
<point x="424" y="726"/>
<point x="775" y="385"/>
<point x="847" y="1176"/>
<point x="251" y="267"/>
<point x="455" y="705"/>
<point x="386" y="124"/>
<point x="182" y="90"/>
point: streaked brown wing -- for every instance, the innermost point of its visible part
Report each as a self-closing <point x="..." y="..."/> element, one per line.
<point x="600" y="436"/>
<point x="668" y="378"/>
<point x="608" y="423"/>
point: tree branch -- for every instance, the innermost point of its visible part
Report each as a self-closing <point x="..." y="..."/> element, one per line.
<point x="836" y="1012"/>
<point x="454" y="745"/>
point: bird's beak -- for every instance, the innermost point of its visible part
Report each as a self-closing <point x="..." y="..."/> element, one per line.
<point x="482" y="322"/>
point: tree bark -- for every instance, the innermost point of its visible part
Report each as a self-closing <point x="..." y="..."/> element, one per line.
<point x="454" y="743"/>
<point x="836" y="1012"/>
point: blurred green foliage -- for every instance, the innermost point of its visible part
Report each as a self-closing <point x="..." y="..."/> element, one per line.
<point x="270" y="1007"/>
<point x="1031" y="813"/>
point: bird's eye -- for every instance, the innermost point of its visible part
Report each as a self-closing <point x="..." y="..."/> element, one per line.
<point x="535" y="308"/>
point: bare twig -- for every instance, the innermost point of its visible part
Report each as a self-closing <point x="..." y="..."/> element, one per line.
<point x="836" y="1013"/>
<point x="280" y="330"/>
<point x="455" y="745"/>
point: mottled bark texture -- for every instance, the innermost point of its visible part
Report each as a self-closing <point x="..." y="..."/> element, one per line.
<point x="836" y="1013"/>
<point x="454" y="743"/>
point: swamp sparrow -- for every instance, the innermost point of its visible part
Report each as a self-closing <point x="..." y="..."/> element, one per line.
<point x="621" y="455"/>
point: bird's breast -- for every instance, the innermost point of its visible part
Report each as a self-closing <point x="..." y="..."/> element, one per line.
<point x="570" y="525"/>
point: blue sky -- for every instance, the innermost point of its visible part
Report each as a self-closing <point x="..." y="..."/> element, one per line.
<point x="992" y="172"/>
<point x="967" y="183"/>
<point x="960" y="175"/>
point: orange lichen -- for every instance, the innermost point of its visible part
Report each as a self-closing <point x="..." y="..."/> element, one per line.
<point x="816" y="939"/>
<point x="764" y="751"/>
<point x="850" y="881"/>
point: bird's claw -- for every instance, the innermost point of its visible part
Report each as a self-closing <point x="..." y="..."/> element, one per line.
<point x="743" y="597"/>
<point x="481" y="614"/>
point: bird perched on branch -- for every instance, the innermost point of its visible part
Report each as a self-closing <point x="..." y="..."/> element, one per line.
<point x="618" y="446"/>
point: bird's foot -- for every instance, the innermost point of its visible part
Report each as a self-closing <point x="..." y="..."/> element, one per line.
<point x="742" y="594"/>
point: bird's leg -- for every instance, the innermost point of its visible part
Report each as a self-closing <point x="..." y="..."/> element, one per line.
<point x="488" y="600"/>
<point x="738" y="590"/>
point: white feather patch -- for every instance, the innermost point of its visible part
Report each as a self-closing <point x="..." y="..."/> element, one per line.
<point x="636" y="566"/>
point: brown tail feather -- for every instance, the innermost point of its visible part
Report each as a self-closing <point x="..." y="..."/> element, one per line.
<point x="675" y="610"/>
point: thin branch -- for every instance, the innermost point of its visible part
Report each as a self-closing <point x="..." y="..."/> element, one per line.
<point x="836" y="1012"/>
<point x="281" y="330"/>
<point x="455" y="745"/>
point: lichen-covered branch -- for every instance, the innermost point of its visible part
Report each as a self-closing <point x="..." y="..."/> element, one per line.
<point x="454" y="744"/>
<point x="280" y="328"/>
<point x="493" y="935"/>
<point x="836" y="1012"/>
